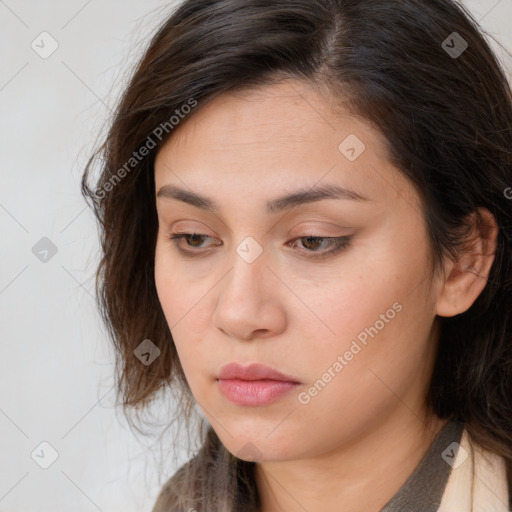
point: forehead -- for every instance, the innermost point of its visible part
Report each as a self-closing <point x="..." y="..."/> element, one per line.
<point x="270" y="138"/>
<point x="271" y="117"/>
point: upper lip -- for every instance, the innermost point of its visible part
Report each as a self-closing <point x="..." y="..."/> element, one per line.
<point x="254" y="371"/>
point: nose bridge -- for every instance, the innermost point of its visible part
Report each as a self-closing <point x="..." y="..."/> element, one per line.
<point x="241" y="307"/>
<point x="248" y="266"/>
<point x="248" y="305"/>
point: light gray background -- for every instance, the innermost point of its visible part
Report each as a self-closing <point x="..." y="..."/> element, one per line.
<point x="56" y="363"/>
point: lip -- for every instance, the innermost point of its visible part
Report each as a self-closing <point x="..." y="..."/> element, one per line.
<point x="254" y="385"/>
<point x="254" y="371"/>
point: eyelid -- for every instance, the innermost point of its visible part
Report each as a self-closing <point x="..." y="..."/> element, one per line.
<point x="323" y="230"/>
<point x="337" y="245"/>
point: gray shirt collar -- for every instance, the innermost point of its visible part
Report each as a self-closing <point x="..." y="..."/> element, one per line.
<point x="424" y="489"/>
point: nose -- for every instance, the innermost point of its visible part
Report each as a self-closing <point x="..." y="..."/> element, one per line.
<point x="249" y="304"/>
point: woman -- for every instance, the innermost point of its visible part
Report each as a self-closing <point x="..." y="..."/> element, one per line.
<point x="305" y="212"/>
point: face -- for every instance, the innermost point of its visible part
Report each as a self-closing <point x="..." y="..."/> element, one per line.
<point x="332" y="292"/>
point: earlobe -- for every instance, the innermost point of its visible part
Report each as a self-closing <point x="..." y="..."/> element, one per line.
<point x="467" y="277"/>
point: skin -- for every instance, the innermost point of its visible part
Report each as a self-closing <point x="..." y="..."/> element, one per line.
<point x="297" y="314"/>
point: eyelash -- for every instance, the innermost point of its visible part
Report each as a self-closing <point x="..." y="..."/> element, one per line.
<point x="338" y="243"/>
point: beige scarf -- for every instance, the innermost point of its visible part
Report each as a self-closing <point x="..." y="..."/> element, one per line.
<point x="477" y="482"/>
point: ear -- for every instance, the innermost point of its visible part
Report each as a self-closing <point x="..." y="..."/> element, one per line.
<point x="468" y="275"/>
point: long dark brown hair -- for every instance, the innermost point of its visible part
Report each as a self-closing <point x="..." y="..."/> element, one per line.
<point x="444" y="106"/>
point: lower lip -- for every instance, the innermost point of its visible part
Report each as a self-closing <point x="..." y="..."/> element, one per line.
<point x="254" y="392"/>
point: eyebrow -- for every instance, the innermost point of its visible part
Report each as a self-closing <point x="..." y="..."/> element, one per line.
<point x="286" y="202"/>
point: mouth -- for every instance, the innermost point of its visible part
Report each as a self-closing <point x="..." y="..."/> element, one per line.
<point x="254" y="385"/>
<point x="254" y="371"/>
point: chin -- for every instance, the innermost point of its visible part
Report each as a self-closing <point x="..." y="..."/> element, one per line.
<point x="260" y="449"/>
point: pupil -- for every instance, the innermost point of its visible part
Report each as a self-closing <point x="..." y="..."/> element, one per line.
<point x="195" y="237"/>
<point x="308" y="238"/>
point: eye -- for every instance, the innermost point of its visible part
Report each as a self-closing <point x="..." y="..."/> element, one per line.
<point x="333" y="243"/>
<point x="312" y="243"/>
<point x="194" y="237"/>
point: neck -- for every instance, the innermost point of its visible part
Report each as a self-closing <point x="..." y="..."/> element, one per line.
<point x="362" y="474"/>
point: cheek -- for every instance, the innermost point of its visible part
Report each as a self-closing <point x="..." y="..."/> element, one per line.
<point x="376" y="316"/>
<point x="350" y="300"/>
<point x="172" y="294"/>
<point x="183" y="301"/>
<point x="368" y="370"/>
<point x="166" y="284"/>
<point x="176" y="288"/>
